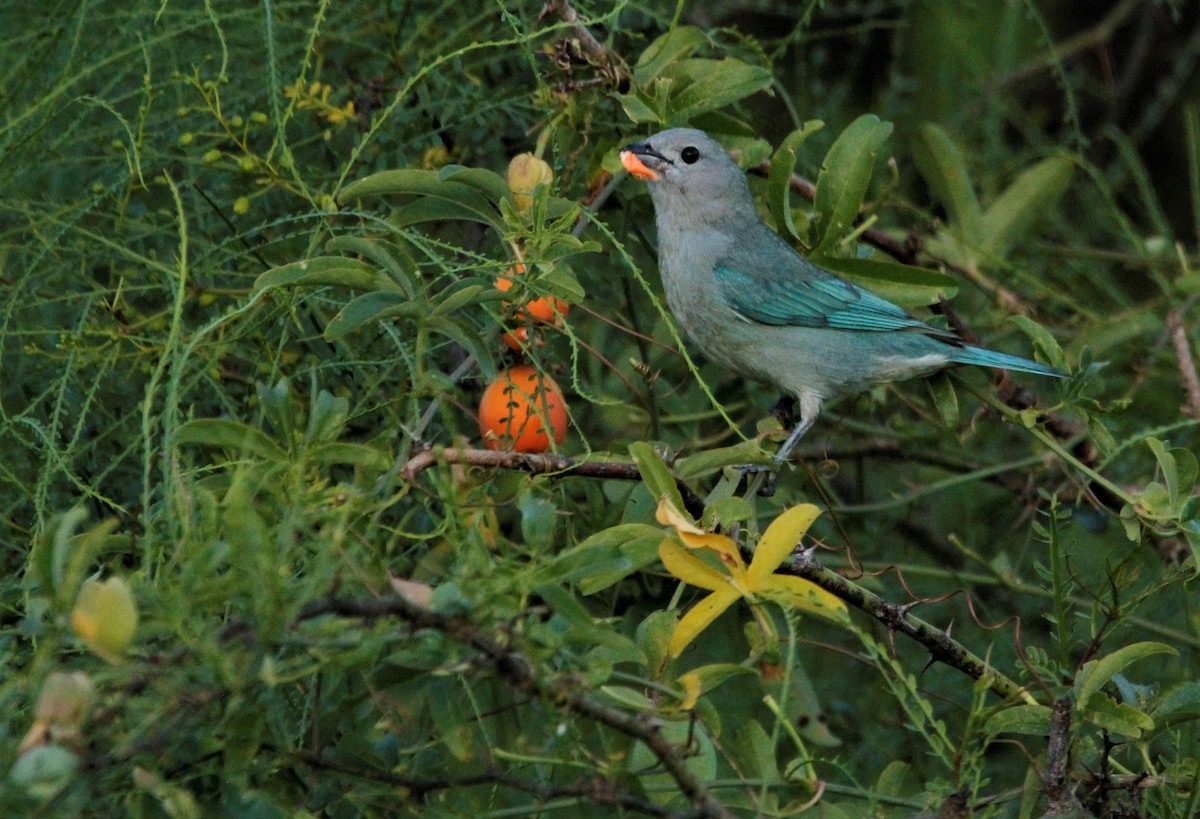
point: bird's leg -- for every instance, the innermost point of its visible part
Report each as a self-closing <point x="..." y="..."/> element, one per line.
<point x="797" y="433"/>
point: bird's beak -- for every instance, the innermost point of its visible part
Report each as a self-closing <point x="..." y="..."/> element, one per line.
<point x="643" y="161"/>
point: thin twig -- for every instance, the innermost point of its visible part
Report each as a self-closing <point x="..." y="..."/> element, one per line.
<point x="566" y="691"/>
<point x="607" y="61"/>
<point x="598" y="789"/>
<point x="538" y="464"/>
<point x="942" y="647"/>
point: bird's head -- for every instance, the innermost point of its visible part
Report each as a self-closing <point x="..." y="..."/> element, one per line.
<point x="690" y="172"/>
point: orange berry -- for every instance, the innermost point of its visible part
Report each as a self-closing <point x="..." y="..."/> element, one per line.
<point x="517" y="408"/>
<point x="636" y="167"/>
<point x="521" y="339"/>
<point x="546" y="309"/>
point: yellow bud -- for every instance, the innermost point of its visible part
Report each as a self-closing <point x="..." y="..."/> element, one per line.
<point x="105" y="616"/>
<point x="526" y="172"/>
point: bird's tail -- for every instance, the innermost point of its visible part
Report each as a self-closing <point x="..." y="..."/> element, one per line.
<point x="990" y="358"/>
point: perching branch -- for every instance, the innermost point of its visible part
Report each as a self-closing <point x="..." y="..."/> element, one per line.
<point x="565" y="691"/>
<point x="942" y="647"/>
<point x="539" y="464"/>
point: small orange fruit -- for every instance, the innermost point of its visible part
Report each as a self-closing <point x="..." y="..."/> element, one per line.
<point x="521" y="410"/>
<point x="521" y="339"/>
<point x="547" y="309"/>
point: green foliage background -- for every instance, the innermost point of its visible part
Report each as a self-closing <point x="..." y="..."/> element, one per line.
<point x="234" y="444"/>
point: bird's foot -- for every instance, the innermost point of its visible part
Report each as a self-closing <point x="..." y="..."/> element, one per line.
<point x="760" y="479"/>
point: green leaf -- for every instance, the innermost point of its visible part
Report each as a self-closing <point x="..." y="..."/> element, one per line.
<point x="336" y="271"/>
<point x="464" y="293"/>
<point x="724" y="511"/>
<point x="1095" y="674"/>
<point x="359" y="455"/>
<point x="1030" y="719"/>
<point x="661" y="54"/>
<point x="779" y="180"/>
<point x="469" y="339"/>
<point x="709" y="461"/>
<point x="941" y="387"/>
<point x="713" y="675"/>
<point x="1042" y="339"/>
<point x="392" y="259"/>
<point x="369" y="308"/>
<point x="755" y="753"/>
<point x="428" y="209"/>
<point x="327" y="418"/>
<point x="653" y="637"/>
<point x="557" y="280"/>
<point x="898" y="283"/>
<point x="51" y="548"/>
<point x="895" y="779"/>
<point x="941" y="164"/>
<point x="712" y="84"/>
<point x="844" y="177"/>
<point x="1009" y="217"/>
<point x="1178" y="467"/>
<point x="275" y="402"/>
<point x="60" y="558"/>
<point x="1116" y="717"/>
<point x="637" y="109"/>
<point x="221" y="432"/>
<point x="655" y="474"/>
<point x="461" y="198"/>
<point x="489" y="183"/>
<point x="608" y="556"/>
<point x="1180" y="703"/>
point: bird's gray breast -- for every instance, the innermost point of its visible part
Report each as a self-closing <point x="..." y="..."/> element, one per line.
<point x="687" y="263"/>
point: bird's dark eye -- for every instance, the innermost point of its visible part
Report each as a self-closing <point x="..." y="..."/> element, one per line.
<point x="689" y="154"/>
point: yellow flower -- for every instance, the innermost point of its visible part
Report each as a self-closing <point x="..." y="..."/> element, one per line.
<point x="755" y="582"/>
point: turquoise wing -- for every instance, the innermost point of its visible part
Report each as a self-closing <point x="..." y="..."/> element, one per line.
<point x="812" y="297"/>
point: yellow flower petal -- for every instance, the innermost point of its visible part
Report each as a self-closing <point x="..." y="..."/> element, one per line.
<point x="689" y="568"/>
<point x="668" y="515"/>
<point x="807" y="597"/>
<point x="691" y="690"/>
<point x="723" y="546"/>
<point x="696" y="538"/>
<point x="700" y="617"/>
<point x="780" y="538"/>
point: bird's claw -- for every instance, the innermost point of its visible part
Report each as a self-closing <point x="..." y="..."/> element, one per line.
<point x="760" y="479"/>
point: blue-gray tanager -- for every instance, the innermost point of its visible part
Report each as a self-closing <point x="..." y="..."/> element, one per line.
<point x="748" y="300"/>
